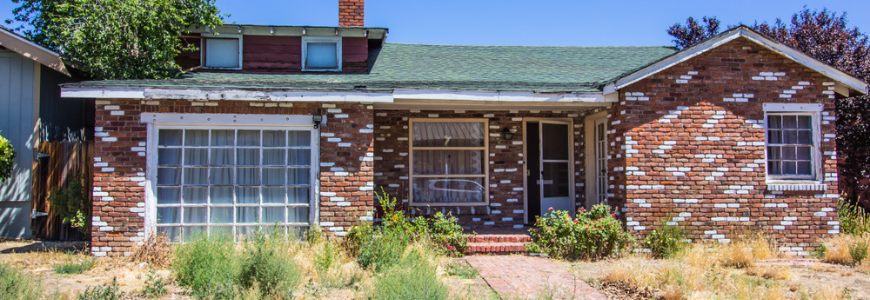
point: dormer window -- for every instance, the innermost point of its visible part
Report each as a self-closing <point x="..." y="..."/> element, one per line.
<point x="222" y="52"/>
<point x="321" y="53"/>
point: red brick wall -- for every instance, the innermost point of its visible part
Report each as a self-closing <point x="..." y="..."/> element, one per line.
<point x="119" y="168"/>
<point x="688" y="147"/>
<point x="351" y="13"/>
<point x="506" y="203"/>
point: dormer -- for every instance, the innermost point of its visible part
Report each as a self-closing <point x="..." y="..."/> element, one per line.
<point x="286" y="49"/>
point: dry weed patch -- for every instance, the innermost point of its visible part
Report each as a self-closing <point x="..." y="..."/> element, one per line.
<point x="844" y="249"/>
<point x="156" y="251"/>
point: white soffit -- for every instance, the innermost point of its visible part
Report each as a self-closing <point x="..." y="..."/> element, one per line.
<point x="32" y="51"/>
<point x="831" y="72"/>
<point x="222" y="94"/>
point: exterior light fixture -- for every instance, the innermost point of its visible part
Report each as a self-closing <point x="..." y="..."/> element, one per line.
<point x="507" y="134"/>
<point x="316" y="119"/>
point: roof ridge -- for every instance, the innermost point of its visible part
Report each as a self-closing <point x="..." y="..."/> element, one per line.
<point x="525" y="46"/>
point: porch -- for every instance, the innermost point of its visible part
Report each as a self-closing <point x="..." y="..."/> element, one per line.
<point x="491" y="166"/>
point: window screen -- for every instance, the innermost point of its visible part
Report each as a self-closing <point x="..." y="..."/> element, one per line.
<point x="449" y="161"/>
<point x="790" y="145"/>
<point x="222" y="53"/>
<point x="232" y="180"/>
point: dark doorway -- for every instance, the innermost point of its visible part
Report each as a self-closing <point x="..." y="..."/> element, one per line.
<point x="533" y="175"/>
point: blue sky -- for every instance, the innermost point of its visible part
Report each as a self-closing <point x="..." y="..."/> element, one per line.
<point x="510" y="22"/>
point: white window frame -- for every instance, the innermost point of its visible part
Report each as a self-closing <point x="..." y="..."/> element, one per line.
<point x="791" y="109"/>
<point x="158" y="121"/>
<point x="484" y="162"/>
<point x="203" y="49"/>
<point x="313" y="39"/>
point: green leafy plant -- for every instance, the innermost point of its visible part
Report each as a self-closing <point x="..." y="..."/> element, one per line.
<point x="858" y="251"/>
<point x="107" y="292"/>
<point x="262" y="266"/>
<point x="7" y="156"/>
<point x="75" y="267"/>
<point x="413" y="277"/>
<point x="208" y="266"/>
<point x="665" y="240"/>
<point x="447" y="234"/>
<point x="119" y="38"/>
<point x="594" y="234"/>
<point x="460" y="269"/>
<point x="853" y="218"/>
<point x="15" y="284"/>
<point x="73" y="205"/>
<point x="154" y="286"/>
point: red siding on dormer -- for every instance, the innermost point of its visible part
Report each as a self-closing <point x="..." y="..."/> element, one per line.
<point x="272" y="54"/>
<point x="355" y="54"/>
<point x="189" y="59"/>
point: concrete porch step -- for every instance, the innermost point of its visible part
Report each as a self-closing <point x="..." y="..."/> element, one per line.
<point x="495" y="248"/>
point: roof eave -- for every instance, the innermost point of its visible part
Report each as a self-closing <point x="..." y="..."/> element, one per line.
<point x="32" y="51"/>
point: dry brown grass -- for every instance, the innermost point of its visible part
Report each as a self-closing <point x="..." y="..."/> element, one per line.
<point x="744" y="253"/>
<point x="770" y="272"/>
<point x="156" y="251"/>
<point x="825" y="292"/>
<point x="837" y="248"/>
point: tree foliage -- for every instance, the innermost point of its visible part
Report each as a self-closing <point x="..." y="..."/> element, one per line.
<point x="693" y="33"/>
<point x="113" y="39"/>
<point x="825" y="36"/>
<point x="7" y="157"/>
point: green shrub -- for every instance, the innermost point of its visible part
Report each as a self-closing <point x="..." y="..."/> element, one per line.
<point x="75" y="267"/>
<point x="381" y="249"/>
<point x="7" y="157"/>
<point x="819" y="252"/>
<point x="73" y="205"/>
<point x="447" y="234"/>
<point x="107" y="292"/>
<point x="853" y="218"/>
<point x="154" y="285"/>
<point x="264" y="267"/>
<point x="208" y="266"/>
<point x="858" y="251"/>
<point x="592" y="235"/>
<point x="413" y="277"/>
<point x="665" y="241"/>
<point x="15" y="285"/>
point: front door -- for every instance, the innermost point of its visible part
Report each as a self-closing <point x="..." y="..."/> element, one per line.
<point x="549" y="167"/>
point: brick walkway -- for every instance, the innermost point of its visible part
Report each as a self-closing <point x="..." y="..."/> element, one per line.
<point x="530" y="277"/>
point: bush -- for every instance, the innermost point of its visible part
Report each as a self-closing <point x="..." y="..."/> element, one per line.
<point x="381" y="249"/>
<point x="262" y="266"/>
<point x="107" y="292"/>
<point x="73" y="205"/>
<point x="853" y="218"/>
<point x="447" y="234"/>
<point x="858" y="252"/>
<point x="413" y="277"/>
<point x="75" y="267"/>
<point x="665" y="241"/>
<point x="7" y="157"/>
<point x="846" y="249"/>
<point x="15" y="285"/>
<point x="592" y="235"/>
<point x="208" y="266"/>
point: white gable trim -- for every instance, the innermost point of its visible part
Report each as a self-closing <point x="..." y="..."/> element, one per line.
<point x="837" y="75"/>
<point x="31" y="50"/>
<point x="222" y="94"/>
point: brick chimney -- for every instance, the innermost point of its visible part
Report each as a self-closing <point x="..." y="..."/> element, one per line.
<point x="351" y="13"/>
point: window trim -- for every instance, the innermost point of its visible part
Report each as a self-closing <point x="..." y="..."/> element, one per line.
<point x="251" y="122"/>
<point x="484" y="162"/>
<point x="313" y="39"/>
<point x="203" y="48"/>
<point x="812" y="110"/>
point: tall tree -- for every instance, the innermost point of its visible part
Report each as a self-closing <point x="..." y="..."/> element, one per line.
<point x="693" y="33"/>
<point x="111" y="39"/>
<point x="826" y="36"/>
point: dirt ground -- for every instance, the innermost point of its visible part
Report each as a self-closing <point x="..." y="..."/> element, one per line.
<point x="40" y="258"/>
<point x="809" y="274"/>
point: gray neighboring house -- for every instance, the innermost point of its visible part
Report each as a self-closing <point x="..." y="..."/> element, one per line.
<point x="31" y="112"/>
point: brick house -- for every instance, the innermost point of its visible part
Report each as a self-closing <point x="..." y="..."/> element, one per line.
<point x="301" y="125"/>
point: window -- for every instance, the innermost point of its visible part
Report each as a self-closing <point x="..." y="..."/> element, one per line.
<point x="223" y="52"/>
<point x="792" y="141"/>
<point x="449" y="162"/>
<point x="321" y="54"/>
<point x="232" y="180"/>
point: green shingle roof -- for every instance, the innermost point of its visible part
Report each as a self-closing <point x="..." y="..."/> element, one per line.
<point x="447" y="67"/>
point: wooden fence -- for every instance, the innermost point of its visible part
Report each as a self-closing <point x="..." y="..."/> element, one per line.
<point x="65" y="160"/>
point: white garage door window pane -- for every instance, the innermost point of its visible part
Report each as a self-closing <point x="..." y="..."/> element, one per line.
<point x="222" y="53"/>
<point x="214" y="180"/>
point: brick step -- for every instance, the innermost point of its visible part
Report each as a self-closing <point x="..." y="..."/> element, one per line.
<point x="495" y="248"/>
<point x="500" y="238"/>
